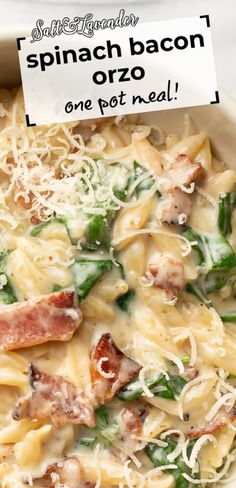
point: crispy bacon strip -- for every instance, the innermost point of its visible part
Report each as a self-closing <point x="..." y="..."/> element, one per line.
<point x="54" y="397"/>
<point x="68" y="473"/>
<point x="168" y="275"/>
<point x="53" y="317"/>
<point x="183" y="172"/>
<point x="221" y="419"/>
<point x="118" y="369"/>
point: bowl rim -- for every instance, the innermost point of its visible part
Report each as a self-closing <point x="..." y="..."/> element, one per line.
<point x="9" y="33"/>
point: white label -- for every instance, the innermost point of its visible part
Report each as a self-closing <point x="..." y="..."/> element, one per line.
<point x="152" y="66"/>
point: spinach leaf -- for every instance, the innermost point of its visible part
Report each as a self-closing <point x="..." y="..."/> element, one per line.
<point x="195" y="288"/>
<point x="106" y="429"/>
<point x="227" y="203"/>
<point x="7" y="294"/>
<point x="102" y="416"/>
<point x="217" y="247"/>
<point x="123" y="301"/>
<point x="193" y="236"/>
<point x="37" y="229"/>
<point x="3" y="256"/>
<point x="87" y="272"/>
<point x="56" y="288"/>
<point x="172" y="387"/>
<point x="98" y="231"/>
<point x="145" y="184"/>
<point x="158" y="456"/>
<point x="86" y="441"/>
<point x="210" y="283"/>
<point x="223" y="264"/>
<point x="229" y="317"/>
<point x="97" y="234"/>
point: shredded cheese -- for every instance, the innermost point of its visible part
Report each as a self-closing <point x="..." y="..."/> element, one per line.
<point x="98" y="468"/>
<point x="227" y="400"/>
<point x="147" y="439"/>
<point x="230" y="458"/>
<point x="103" y="373"/>
<point x="159" y="470"/>
<point x="147" y="280"/>
<point x="187" y="387"/>
<point x="181" y="439"/>
<point x="127" y="474"/>
<point x="187" y="334"/>
<point x="189" y="189"/>
<point x="142" y="372"/>
<point x="198" y="446"/>
<point x="140" y="179"/>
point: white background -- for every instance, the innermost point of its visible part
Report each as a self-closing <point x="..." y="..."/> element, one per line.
<point x="223" y="15"/>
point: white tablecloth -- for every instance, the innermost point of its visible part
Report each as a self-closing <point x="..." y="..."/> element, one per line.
<point x="222" y="13"/>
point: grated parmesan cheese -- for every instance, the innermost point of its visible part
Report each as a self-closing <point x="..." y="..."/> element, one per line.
<point x="127" y="474"/>
<point x="177" y="451"/>
<point x="230" y="458"/>
<point x="97" y="465"/>
<point x="159" y="470"/>
<point x="197" y="447"/>
<point x="227" y="400"/>
<point x="147" y="280"/>
<point x="189" y="189"/>
<point x="187" y="387"/>
<point x="147" y="439"/>
<point x="146" y="391"/>
<point x="103" y="373"/>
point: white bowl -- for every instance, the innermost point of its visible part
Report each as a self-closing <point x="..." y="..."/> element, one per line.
<point x="219" y="121"/>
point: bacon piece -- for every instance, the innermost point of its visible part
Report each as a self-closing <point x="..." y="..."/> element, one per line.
<point x="189" y="373"/>
<point x="221" y="419"/>
<point x="24" y="200"/>
<point x="53" y="317"/>
<point x="118" y="369"/>
<point x="130" y="423"/>
<point x="54" y="397"/>
<point x="183" y="172"/>
<point x="68" y="473"/>
<point x="168" y="275"/>
<point x="34" y="219"/>
<point x="86" y="128"/>
<point x="175" y="208"/>
<point x="130" y="429"/>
